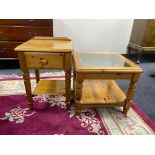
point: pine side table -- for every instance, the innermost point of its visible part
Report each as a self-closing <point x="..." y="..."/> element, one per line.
<point x="46" y="53"/>
<point x="94" y="80"/>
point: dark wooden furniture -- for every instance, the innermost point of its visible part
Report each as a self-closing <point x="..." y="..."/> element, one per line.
<point x="46" y="53"/>
<point x="152" y="74"/>
<point x="142" y="37"/>
<point x="16" y="31"/>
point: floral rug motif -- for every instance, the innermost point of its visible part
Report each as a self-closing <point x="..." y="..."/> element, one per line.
<point x="45" y="74"/>
<point x="16" y="114"/>
<point x="51" y="117"/>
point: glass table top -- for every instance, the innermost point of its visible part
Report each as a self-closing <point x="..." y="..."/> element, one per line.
<point x="102" y="60"/>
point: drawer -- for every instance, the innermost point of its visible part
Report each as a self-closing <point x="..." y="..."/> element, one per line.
<point x="44" y="60"/>
<point x="21" y="33"/>
<point x="27" y="22"/>
<point x="7" y="49"/>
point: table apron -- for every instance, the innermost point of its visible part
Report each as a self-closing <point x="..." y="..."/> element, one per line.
<point x="104" y="75"/>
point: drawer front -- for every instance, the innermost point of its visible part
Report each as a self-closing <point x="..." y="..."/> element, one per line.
<point x="18" y="33"/>
<point x="27" y="22"/>
<point x="7" y="49"/>
<point x="44" y="60"/>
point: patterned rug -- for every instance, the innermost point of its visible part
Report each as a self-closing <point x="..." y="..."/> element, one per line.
<point x="50" y="116"/>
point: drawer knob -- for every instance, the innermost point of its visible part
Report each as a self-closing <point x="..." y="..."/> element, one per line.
<point x="31" y="20"/>
<point x="44" y="62"/>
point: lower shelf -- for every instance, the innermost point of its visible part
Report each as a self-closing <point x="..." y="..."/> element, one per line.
<point x="50" y="87"/>
<point x="101" y="92"/>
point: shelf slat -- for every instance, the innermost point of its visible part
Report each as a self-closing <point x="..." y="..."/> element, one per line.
<point x="50" y="87"/>
<point x="105" y="92"/>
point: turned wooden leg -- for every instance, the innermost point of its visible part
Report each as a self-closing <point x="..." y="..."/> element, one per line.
<point x="79" y="85"/>
<point x="37" y="75"/>
<point x="139" y="55"/>
<point x="26" y="78"/>
<point x="73" y="90"/>
<point x="77" y="108"/>
<point x="130" y="93"/>
<point x="68" y="85"/>
<point x="27" y="84"/>
<point x="74" y="74"/>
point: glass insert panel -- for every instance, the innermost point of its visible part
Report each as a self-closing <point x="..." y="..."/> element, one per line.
<point x="102" y="60"/>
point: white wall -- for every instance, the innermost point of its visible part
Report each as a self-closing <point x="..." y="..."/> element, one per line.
<point x="95" y="34"/>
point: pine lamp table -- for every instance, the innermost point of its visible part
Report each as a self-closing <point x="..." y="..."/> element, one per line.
<point x="94" y="80"/>
<point x="46" y="53"/>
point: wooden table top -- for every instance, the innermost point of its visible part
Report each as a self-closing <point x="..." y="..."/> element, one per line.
<point x="46" y="44"/>
<point x="103" y="62"/>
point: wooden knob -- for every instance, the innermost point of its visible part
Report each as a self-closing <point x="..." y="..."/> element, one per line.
<point x="44" y="62"/>
<point x="31" y="20"/>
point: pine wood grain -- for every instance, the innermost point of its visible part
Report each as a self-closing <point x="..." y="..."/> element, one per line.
<point x="101" y="92"/>
<point x="92" y="91"/>
<point x="44" y="60"/>
<point x="50" y="87"/>
<point x="46" y="52"/>
<point x="45" y="45"/>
